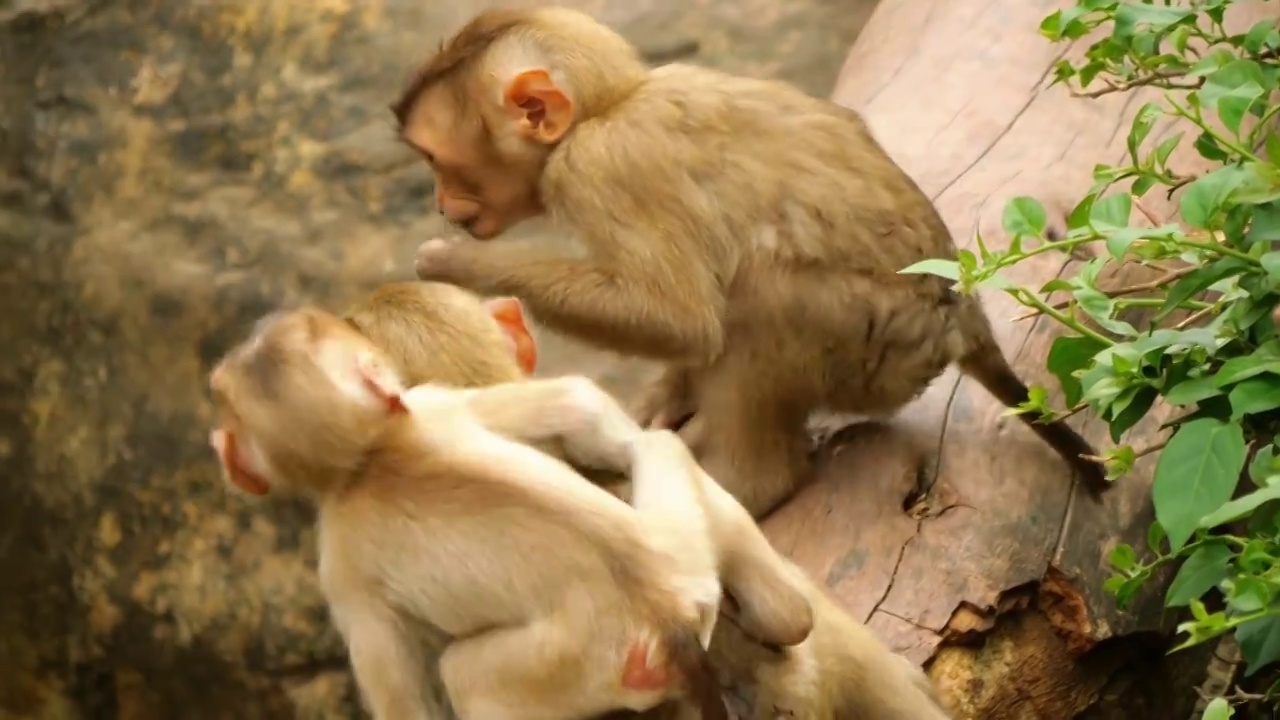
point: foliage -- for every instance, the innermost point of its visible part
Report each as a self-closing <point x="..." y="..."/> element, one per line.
<point x="1201" y="337"/>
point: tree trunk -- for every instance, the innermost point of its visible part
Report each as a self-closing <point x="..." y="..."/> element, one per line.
<point x="953" y="531"/>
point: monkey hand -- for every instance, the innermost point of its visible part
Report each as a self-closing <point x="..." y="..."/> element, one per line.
<point x="437" y="259"/>
<point x="602" y="433"/>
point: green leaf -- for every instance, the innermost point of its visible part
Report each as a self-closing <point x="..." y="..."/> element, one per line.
<point x="1255" y="395"/>
<point x="1209" y="148"/>
<point x="1247" y="594"/>
<point x="1079" y="215"/>
<point x="1123" y="558"/>
<point x="1143" y="120"/>
<point x="949" y="269"/>
<point x="1193" y="390"/>
<point x="1198" y="281"/>
<point x="1130" y="16"/>
<point x="1196" y="474"/>
<point x="1263" y="465"/>
<point x="1024" y="216"/>
<point x="1264" y="225"/>
<point x="1127" y="415"/>
<point x="1118" y="241"/>
<point x="1202" y="200"/>
<point x="1259" y="643"/>
<point x="1273" y="148"/>
<point x="1240" y="507"/>
<point x="1233" y="106"/>
<point x="1111" y="211"/>
<point x="1155" y="536"/>
<point x="1201" y="573"/>
<point x="1241" y="368"/>
<point x="1271" y="263"/>
<point x="1218" y="709"/>
<point x="1261" y="36"/>
<point x="1165" y="149"/>
<point x="1068" y="355"/>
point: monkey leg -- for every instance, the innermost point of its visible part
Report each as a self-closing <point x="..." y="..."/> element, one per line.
<point x="767" y="593"/>
<point x="668" y="495"/>
<point x="549" y="670"/>
<point x="751" y="441"/>
<point x="388" y="665"/>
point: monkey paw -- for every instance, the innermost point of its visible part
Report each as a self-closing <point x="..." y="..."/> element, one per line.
<point x="435" y="260"/>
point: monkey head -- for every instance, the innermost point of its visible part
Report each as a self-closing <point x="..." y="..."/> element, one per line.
<point x="489" y="108"/>
<point x="440" y="333"/>
<point x="299" y="403"/>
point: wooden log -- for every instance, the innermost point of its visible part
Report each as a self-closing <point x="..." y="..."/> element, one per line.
<point x="993" y="574"/>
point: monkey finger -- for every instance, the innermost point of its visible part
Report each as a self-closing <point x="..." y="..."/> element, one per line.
<point x="433" y="259"/>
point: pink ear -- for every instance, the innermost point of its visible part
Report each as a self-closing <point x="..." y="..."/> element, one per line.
<point x="378" y="381"/>
<point x="508" y="312"/>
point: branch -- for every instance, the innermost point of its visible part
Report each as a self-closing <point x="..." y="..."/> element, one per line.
<point x="1156" y="284"/>
<point x="1164" y="78"/>
<point x="1136" y="453"/>
<point x="1194" y="317"/>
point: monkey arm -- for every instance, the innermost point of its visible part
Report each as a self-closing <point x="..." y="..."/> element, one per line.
<point x="662" y="307"/>
<point x="591" y="426"/>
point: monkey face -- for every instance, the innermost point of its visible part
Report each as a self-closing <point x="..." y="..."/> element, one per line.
<point x="484" y="184"/>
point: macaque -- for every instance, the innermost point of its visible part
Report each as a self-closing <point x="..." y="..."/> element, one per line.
<point x="441" y="334"/>
<point x="438" y="333"/>
<point x="562" y="601"/>
<point x="842" y="671"/>
<point x="745" y="233"/>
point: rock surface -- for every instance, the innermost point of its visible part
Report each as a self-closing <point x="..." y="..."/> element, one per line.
<point x="168" y="172"/>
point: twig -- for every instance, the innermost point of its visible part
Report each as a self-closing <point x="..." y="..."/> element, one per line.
<point x="1194" y="317"/>
<point x="1150" y="216"/>
<point x="1163" y="78"/>
<point x="1159" y="282"/>
<point x="1136" y="453"/>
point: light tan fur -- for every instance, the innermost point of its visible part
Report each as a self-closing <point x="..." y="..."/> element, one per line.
<point x="839" y="672"/>
<point x="548" y="585"/>
<point x="746" y="233"/>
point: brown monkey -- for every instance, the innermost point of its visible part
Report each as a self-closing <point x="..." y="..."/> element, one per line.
<point x="746" y="233"/>
<point x="435" y="332"/>
<point x="439" y="333"/>
<point x="563" y="601"/>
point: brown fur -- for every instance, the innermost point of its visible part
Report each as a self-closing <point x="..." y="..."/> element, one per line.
<point x="743" y="231"/>
<point x="428" y="517"/>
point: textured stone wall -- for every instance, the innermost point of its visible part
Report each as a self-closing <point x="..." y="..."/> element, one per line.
<point x="168" y="172"/>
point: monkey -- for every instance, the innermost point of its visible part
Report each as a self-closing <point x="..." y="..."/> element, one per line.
<point x="563" y="601"/>
<point x="439" y="333"/>
<point x="842" y="671"/>
<point x="442" y="334"/>
<point x="748" y="235"/>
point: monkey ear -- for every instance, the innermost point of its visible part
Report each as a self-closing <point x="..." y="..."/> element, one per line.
<point x="235" y="470"/>
<point x="509" y="314"/>
<point x="541" y="109"/>
<point x="379" y="381"/>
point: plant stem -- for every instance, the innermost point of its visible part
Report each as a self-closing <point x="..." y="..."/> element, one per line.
<point x="1217" y="136"/>
<point x="1030" y="299"/>
<point x="1217" y="248"/>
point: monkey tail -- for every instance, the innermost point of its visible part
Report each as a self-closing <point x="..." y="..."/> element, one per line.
<point x="983" y="360"/>
<point x="694" y="663"/>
